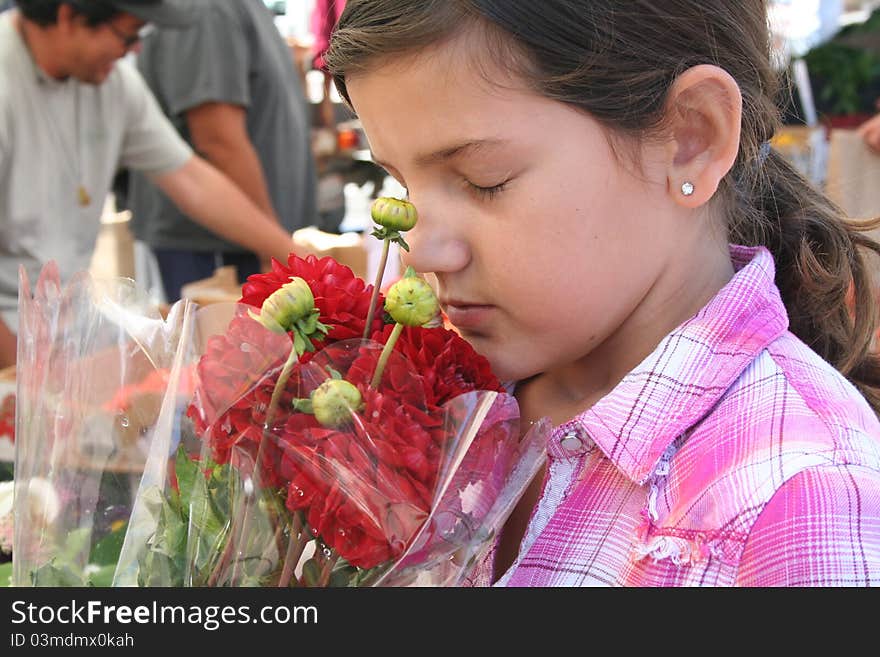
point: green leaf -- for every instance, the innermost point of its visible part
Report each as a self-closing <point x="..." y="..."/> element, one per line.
<point x="308" y="324"/>
<point x="159" y="570"/>
<point x="840" y="74"/>
<point x="401" y="242"/>
<point x="303" y="405"/>
<point x="300" y="344"/>
<point x="378" y="233"/>
<point x="209" y="523"/>
<point x="362" y="576"/>
<point x="311" y="572"/>
<point x="75" y="548"/>
<point x="56" y="573"/>
<point x="170" y="537"/>
<point x="344" y="575"/>
<point x="7" y="471"/>
<point x="103" y="576"/>
<point x="156" y="567"/>
<point x="6" y="574"/>
<point x="106" y="551"/>
<point x="187" y="471"/>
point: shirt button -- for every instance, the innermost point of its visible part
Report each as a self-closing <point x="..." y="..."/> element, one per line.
<point x="571" y="442"/>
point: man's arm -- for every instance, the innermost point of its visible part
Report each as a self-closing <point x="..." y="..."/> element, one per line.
<point x="218" y="132"/>
<point x="328" y="112"/>
<point x="210" y="198"/>
<point x="7" y="345"/>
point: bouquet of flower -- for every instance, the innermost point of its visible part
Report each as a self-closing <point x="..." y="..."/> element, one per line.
<point x="324" y="435"/>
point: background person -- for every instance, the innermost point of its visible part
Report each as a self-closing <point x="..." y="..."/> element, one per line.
<point x="228" y="84"/>
<point x="77" y="115"/>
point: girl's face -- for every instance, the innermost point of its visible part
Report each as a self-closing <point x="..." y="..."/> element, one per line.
<point x="548" y="250"/>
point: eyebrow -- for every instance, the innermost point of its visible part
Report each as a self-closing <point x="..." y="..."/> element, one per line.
<point x="450" y="152"/>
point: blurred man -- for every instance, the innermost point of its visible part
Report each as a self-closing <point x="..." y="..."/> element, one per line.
<point x="229" y="86"/>
<point x="76" y="115"/>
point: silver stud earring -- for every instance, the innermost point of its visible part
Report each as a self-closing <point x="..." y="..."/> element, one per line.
<point x="687" y="188"/>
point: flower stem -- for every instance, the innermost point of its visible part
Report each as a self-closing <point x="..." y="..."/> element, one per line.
<point x="329" y="562"/>
<point x="386" y="353"/>
<point x="292" y="358"/>
<point x="386" y="243"/>
<point x="230" y="545"/>
<point x="294" y="551"/>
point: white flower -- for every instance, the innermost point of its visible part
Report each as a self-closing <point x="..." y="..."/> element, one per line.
<point x="7" y="488"/>
<point x="43" y="506"/>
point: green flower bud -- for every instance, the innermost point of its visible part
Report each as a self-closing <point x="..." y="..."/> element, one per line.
<point x="411" y="301"/>
<point x="286" y="306"/>
<point x="394" y="213"/>
<point x="333" y="402"/>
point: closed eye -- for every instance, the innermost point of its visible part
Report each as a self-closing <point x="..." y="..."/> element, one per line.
<point x="488" y="193"/>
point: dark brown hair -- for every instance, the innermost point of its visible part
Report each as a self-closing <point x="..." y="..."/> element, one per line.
<point x="45" y="12"/>
<point x="617" y="61"/>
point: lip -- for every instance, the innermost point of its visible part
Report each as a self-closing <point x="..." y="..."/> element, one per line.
<point x="465" y="315"/>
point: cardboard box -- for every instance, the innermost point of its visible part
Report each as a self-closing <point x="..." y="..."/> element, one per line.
<point x="346" y="248"/>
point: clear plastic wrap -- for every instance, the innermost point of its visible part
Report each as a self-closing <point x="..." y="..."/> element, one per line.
<point x="198" y="450"/>
<point x="81" y="439"/>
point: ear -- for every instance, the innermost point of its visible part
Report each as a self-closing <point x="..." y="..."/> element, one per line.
<point x="704" y="111"/>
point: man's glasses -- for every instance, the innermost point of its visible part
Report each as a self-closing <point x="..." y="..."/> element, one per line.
<point x="130" y="40"/>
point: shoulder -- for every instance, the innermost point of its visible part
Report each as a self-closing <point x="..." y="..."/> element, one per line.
<point x="214" y="32"/>
<point x="10" y="60"/>
<point x="788" y="412"/>
<point x="820" y="528"/>
<point x="126" y="89"/>
<point x="125" y="80"/>
<point x="211" y="16"/>
<point x="789" y="390"/>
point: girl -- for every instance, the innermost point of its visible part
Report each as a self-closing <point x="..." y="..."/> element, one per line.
<point x="608" y="225"/>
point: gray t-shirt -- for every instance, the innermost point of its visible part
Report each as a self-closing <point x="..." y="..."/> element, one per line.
<point x="58" y="136"/>
<point x="232" y="54"/>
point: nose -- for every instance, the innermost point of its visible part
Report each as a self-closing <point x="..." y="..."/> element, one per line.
<point x="437" y="242"/>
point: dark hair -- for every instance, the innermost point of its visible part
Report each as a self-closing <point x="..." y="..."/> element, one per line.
<point x="45" y="12"/>
<point x="617" y="60"/>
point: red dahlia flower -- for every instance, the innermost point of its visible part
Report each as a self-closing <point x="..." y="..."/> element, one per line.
<point x="342" y="297"/>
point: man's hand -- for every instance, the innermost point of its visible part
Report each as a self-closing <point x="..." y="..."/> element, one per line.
<point x="870" y="132"/>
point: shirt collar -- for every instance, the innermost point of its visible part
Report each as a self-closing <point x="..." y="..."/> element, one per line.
<point x="690" y="370"/>
<point x="29" y="62"/>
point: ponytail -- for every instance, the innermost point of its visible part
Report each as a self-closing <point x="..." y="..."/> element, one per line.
<point x="822" y="269"/>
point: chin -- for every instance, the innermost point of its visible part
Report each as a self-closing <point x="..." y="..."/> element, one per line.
<point x="506" y="366"/>
<point x="94" y="79"/>
<point x="97" y="77"/>
<point x="500" y="365"/>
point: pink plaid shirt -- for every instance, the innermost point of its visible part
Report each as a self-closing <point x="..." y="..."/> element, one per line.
<point x="733" y="455"/>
